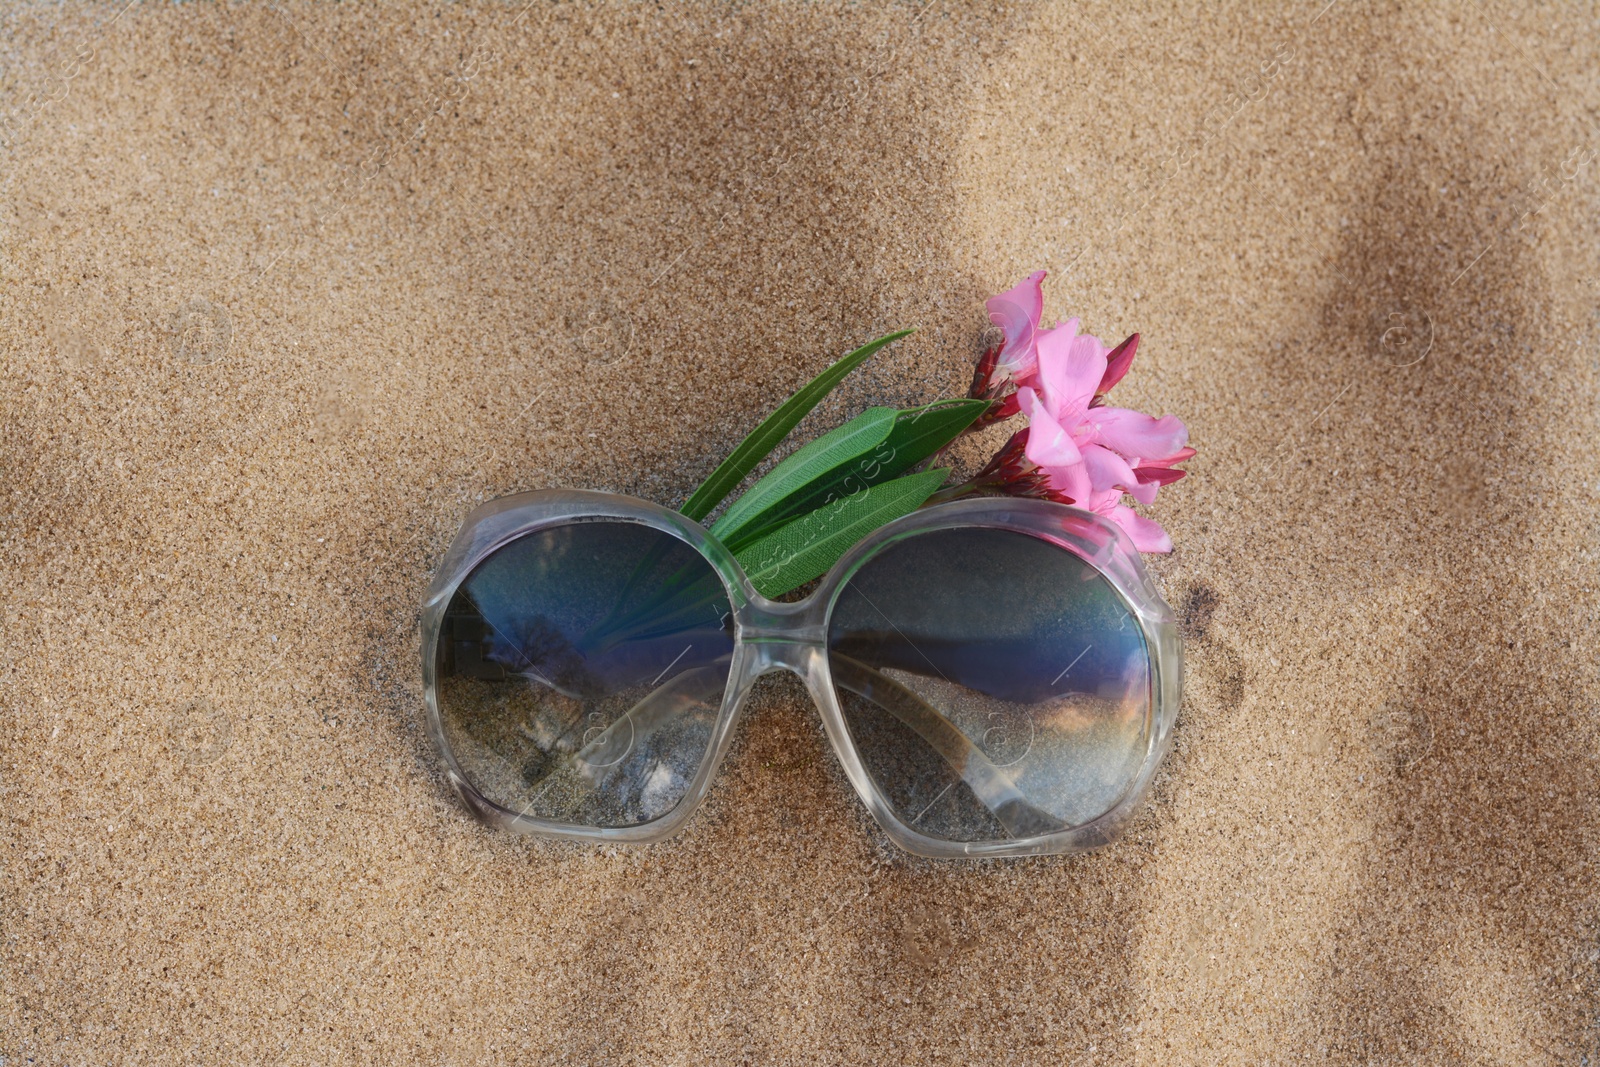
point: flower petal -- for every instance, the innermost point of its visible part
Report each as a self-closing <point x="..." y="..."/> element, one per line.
<point x="1090" y="348"/>
<point x="1103" y="501"/>
<point x="1136" y="434"/>
<point x="1072" y="482"/>
<point x="1070" y="367"/>
<point x="1048" y="444"/>
<point x="1146" y="534"/>
<point x="1107" y="470"/>
<point x="1016" y="311"/>
<point x="1179" y="456"/>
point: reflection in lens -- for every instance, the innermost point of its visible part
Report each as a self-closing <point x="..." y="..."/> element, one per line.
<point x="995" y="685"/>
<point x="580" y="670"/>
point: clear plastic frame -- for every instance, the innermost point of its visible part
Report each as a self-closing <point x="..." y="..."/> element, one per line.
<point x="1028" y="786"/>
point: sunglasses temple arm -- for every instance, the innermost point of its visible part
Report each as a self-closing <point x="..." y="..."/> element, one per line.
<point x="990" y="784"/>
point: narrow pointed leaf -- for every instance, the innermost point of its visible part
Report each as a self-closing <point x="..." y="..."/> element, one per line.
<point x="839" y="449"/>
<point x="917" y="434"/>
<point x="794" y="554"/>
<point x="920" y="432"/>
<point x="764" y="438"/>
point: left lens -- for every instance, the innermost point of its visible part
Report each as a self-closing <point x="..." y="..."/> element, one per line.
<point x="995" y="684"/>
<point x="580" y="670"/>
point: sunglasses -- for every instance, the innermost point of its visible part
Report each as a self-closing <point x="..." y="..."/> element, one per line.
<point x="998" y="676"/>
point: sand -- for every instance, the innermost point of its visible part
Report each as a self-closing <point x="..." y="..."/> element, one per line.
<point x="288" y="289"/>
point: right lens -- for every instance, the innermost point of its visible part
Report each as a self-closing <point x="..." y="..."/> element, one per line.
<point x="580" y="670"/>
<point x="995" y="684"/>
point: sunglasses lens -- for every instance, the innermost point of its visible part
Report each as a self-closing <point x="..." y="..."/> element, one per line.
<point x="995" y="685"/>
<point x="580" y="671"/>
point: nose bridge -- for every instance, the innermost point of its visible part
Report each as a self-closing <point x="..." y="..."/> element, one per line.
<point x="782" y="636"/>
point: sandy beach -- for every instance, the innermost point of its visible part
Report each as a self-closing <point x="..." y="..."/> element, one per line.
<point x="287" y="290"/>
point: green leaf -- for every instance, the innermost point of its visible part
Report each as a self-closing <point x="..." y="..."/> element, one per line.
<point x="920" y="432"/>
<point x="794" y="554"/>
<point x="834" y="451"/>
<point x="917" y="434"/>
<point x="764" y="438"/>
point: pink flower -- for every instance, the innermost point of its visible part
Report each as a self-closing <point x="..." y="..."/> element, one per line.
<point x="1076" y="449"/>
<point x="1015" y="356"/>
<point x="1017" y="312"/>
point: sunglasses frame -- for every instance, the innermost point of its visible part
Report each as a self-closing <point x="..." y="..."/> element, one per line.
<point x="772" y="635"/>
